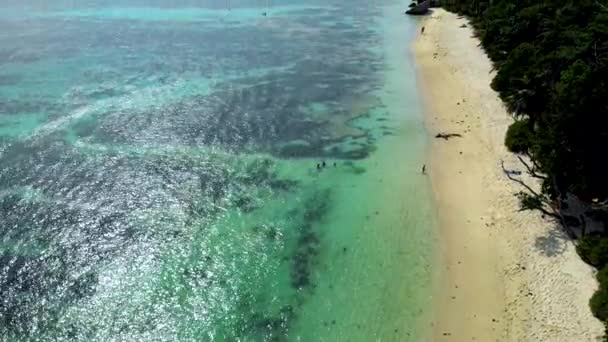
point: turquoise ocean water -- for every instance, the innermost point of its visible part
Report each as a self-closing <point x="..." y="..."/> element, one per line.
<point x="217" y="170"/>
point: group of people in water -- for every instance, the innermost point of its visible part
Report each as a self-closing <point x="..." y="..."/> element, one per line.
<point x="323" y="164"/>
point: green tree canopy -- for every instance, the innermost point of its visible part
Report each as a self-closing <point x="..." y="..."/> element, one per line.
<point x="551" y="59"/>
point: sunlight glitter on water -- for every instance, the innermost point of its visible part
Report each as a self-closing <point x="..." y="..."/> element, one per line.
<point x="191" y="178"/>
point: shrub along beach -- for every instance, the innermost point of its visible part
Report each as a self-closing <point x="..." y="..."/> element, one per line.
<point x="511" y="274"/>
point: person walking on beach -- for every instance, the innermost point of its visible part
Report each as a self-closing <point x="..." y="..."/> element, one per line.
<point x="422" y="30"/>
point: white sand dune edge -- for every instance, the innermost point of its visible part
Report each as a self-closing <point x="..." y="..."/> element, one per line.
<point x="506" y="275"/>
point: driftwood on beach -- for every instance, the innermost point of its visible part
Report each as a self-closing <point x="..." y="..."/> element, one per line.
<point x="447" y="136"/>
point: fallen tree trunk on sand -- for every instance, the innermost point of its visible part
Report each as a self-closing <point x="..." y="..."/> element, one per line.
<point x="447" y="136"/>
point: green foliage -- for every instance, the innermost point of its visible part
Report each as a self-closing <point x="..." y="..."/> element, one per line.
<point x="599" y="304"/>
<point x="599" y="300"/>
<point x="551" y="59"/>
<point x="529" y="201"/>
<point x="602" y="277"/>
<point x="519" y="136"/>
<point x="593" y="249"/>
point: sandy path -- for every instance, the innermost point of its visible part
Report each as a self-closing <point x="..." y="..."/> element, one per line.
<point x="507" y="275"/>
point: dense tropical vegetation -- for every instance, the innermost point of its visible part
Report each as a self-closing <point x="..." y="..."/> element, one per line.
<point x="551" y="59"/>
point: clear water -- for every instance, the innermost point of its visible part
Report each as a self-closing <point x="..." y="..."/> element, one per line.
<point x="161" y="172"/>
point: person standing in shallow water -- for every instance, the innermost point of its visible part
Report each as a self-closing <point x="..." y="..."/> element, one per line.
<point x="424" y="169"/>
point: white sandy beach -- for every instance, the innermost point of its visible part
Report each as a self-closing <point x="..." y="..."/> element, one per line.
<point x="507" y="275"/>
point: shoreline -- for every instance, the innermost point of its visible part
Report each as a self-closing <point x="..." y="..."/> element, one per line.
<point x="503" y="275"/>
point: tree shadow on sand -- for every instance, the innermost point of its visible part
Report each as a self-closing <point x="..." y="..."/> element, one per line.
<point x="553" y="243"/>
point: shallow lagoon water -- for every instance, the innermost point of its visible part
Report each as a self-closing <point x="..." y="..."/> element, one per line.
<point x="159" y="180"/>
